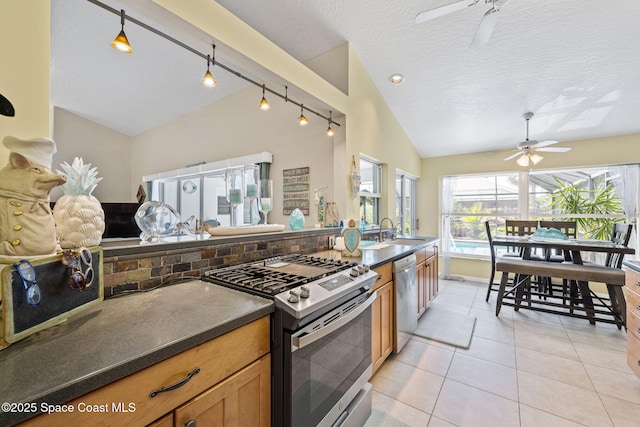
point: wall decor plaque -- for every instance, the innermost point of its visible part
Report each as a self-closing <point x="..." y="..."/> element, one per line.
<point x="295" y="190"/>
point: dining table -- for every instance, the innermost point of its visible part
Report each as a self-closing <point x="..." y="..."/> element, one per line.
<point x="572" y="249"/>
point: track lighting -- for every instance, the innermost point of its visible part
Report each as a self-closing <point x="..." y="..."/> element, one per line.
<point x="121" y="42"/>
<point x="303" y="120"/>
<point x="264" y="104"/>
<point x="208" y="80"/>
<point x="329" y="130"/>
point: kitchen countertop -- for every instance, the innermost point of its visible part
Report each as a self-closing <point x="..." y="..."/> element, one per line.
<point x="633" y="264"/>
<point x="397" y="249"/>
<point x="118" y="337"/>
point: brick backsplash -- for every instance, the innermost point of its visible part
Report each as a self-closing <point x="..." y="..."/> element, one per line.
<point x="151" y="269"/>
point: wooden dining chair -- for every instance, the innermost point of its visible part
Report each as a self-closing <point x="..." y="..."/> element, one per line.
<point x="494" y="256"/>
<point x="620" y="235"/>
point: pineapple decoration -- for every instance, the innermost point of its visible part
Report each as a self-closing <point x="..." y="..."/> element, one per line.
<point x="78" y="215"/>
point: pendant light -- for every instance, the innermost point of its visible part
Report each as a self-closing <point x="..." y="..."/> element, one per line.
<point x="303" y="120"/>
<point x="264" y="104"/>
<point x="121" y="42"/>
<point x="208" y="80"/>
<point x="329" y="130"/>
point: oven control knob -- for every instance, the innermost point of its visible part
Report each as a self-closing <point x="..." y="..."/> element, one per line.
<point x="354" y="272"/>
<point x="361" y="269"/>
<point x="366" y="268"/>
<point x="293" y="297"/>
<point x="304" y="292"/>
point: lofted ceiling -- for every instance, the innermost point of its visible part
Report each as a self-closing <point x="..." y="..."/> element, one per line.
<point x="574" y="63"/>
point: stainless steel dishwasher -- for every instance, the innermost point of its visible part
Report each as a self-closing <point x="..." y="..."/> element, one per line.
<point x="404" y="272"/>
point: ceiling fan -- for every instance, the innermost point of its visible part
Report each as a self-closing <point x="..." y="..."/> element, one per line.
<point x="527" y="148"/>
<point x="486" y="25"/>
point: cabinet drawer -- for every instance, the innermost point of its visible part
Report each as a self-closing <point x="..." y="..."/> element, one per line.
<point x="633" y="303"/>
<point x="384" y="275"/>
<point x="421" y="255"/>
<point x="633" y="322"/>
<point x="633" y="353"/>
<point x="217" y="359"/>
<point x="431" y="251"/>
<point x="632" y="280"/>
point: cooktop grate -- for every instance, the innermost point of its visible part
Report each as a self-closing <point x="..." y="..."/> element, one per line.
<point x="263" y="278"/>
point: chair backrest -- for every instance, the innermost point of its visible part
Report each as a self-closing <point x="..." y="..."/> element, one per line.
<point x="487" y="228"/>
<point x="621" y="235"/>
<point x="567" y="227"/>
<point x="520" y="228"/>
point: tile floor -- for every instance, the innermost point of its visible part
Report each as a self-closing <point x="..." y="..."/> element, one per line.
<point x="522" y="369"/>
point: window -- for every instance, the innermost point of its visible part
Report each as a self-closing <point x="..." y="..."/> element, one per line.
<point x="370" y="191"/>
<point x="595" y="197"/>
<point x="406" y="204"/>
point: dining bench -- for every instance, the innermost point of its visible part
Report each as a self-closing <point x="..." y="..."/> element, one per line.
<point x="614" y="278"/>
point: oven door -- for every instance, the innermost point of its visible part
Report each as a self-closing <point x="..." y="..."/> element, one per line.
<point x="329" y="362"/>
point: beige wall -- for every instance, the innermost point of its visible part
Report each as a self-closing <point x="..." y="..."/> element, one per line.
<point x="236" y="127"/>
<point x="106" y="149"/>
<point x="591" y="152"/>
<point x="373" y="130"/>
<point x="24" y="75"/>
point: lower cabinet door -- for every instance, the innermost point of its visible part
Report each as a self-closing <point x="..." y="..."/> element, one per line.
<point x="382" y="325"/>
<point x="244" y="399"/>
<point x="166" y="421"/>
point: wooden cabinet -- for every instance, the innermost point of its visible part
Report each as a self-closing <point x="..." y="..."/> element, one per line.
<point x="632" y="281"/>
<point x="241" y="400"/>
<point x="382" y="317"/>
<point x="426" y="277"/>
<point x="212" y="365"/>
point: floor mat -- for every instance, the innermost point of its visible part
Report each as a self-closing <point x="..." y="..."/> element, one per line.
<point x="447" y="327"/>
<point x="382" y="419"/>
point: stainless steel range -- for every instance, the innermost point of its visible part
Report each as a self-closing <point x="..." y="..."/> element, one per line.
<point x="321" y="336"/>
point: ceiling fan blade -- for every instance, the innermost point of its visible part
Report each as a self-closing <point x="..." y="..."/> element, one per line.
<point x="485" y="28"/>
<point x="545" y="143"/>
<point x="444" y="10"/>
<point x="554" y="149"/>
<point x="513" y="156"/>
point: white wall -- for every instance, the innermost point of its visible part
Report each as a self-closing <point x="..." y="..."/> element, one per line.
<point x="106" y="149"/>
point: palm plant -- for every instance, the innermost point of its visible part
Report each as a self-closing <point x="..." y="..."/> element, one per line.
<point x="571" y="199"/>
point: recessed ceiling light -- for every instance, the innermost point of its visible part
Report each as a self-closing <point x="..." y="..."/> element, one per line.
<point x="396" y="78"/>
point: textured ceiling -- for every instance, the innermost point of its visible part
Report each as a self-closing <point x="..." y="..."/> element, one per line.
<point x="574" y="63"/>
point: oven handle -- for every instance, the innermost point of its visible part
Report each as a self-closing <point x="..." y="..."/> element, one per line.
<point x="298" y="342"/>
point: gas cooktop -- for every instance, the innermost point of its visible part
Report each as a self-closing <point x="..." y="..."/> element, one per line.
<point x="272" y="276"/>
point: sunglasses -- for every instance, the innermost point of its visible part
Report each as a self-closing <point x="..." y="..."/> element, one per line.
<point x="74" y="260"/>
<point x="27" y="273"/>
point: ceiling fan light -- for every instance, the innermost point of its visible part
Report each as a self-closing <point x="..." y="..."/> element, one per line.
<point x="536" y="158"/>
<point x="523" y="160"/>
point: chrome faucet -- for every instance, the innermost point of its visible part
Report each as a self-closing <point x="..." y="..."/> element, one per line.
<point x="393" y="227"/>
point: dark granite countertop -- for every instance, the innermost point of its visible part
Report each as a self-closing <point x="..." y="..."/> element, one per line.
<point x="633" y="264"/>
<point x="395" y="250"/>
<point x="118" y="337"/>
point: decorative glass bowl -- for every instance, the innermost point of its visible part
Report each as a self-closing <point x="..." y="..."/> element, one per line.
<point x="156" y="219"/>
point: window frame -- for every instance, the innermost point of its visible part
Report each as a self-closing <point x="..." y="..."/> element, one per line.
<point x="373" y="197"/>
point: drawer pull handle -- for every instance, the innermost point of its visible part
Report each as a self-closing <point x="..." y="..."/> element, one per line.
<point x="638" y="362"/>
<point x="179" y="384"/>
<point x="637" y="283"/>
